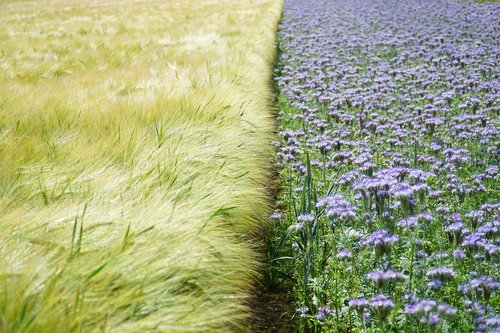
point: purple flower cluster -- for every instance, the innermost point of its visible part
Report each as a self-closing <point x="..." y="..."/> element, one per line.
<point x="482" y="287"/>
<point x="382" y="305"/>
<point x="323" y="312"/>
<point x="429" y="313"/>
<point x="388" y="153"/>
<point x="443" y="274"/>
<point x="338" y="209"/>
<point x="381" y="241"/>
<point x="381" y="278"/>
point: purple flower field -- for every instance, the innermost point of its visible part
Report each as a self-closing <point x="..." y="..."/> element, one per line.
<point x="388" y="156"/>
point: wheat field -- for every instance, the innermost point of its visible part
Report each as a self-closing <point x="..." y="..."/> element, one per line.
<point x="134" y="162"/>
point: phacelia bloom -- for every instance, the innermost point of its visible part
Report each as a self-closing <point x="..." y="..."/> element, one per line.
<point x="276" y="215"/>
<point x="381" y="278"/>
<point x="477" y="308"/>
<point x="358" y="304"/>
<point x="492" y="170"/>
<point x="420" y="254"/>
<point x="447" y="311"/>
<point x="366" y="316"/>
<point x="455" y="232"/>
<point x="458" y="254"/>
<point x="441" y="255"/>
<point x="434" y="194"/>
<point x="432" y="320"/>
<point x="442" y="274"/>
<point x="490" y="229"/>
<point x="382" y="305"/>
<point x="491" y="250"/>
<point x="303" y="311"/>
<point x="338" y="209"/>
<point x="474" y="242"/>
<point x="493" y="322"/>
<point x="476" y="217"/>
<point x="409" y="297"/>
<point x="382" y="241"/>
<point x="482" y="287"/>
<point x="491" y="208"/>
<point x="408" y="223"/>
<point x="429" y="313"/>
<point x="305" y="218"/>
<point x="299" y="226"/>
<point x="323" y="312"/>
<point x="420" y="188"/>
<point x="402" y="191"/>
<point x="344" y="254"/>
<point x="420" y="308"/>
<point x="434" y="284"/>
<point x="443" y="209"/>
<point x="425" y="217"/>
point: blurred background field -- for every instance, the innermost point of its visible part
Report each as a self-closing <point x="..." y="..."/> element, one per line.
<point x="134" y="157"/>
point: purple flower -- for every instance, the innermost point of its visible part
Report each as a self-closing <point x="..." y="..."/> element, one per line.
<point x="434" y="284"/>
<point x="323" y="312"/>
<point x="421" y="254"/>
<point x="493" y="322"/>
<point x="490" y="229"/>
<point x="408" y="223"/>
<point x="447" y="311"/>
<point x="382" y="241"/>
<point x="429" y="312"/>
<point x="432" y="320"/>
<point x="366" y="316"/>
<point x="382" y="305"/>
<point x="344" y="254"/>
<point x="302" y="221"/>
<point x="305" y="218"/>
<point x="381" y="278"/>
<point x="474" y="242"/>
<point x="338" y="209"/>
<point x="409" y="297"/>
<point x="458" y="254"/>
<point x="425" y="217"/>
<point x="358" y="304"/>
<point x="402" y="191"/>
<point x="456" y="231"/>
<point x="276" y="215"/>
<point x="481" y="287"/>
<point x="303" y="311"/>
<point x="420" y="308"/>
<point x="442" y="274"/>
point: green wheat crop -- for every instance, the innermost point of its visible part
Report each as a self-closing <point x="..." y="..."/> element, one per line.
<point x="134" y="160"/>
